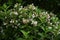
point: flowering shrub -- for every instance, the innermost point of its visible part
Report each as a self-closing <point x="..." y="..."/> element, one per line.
<point x="28" y="23"/>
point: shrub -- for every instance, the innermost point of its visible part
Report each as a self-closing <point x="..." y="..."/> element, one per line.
<point x="28" y="23"/>
<point x="49" y="5"/>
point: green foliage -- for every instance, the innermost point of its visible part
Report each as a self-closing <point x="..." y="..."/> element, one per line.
<point x="49" y="5"/>
<point x="28" y="23"/>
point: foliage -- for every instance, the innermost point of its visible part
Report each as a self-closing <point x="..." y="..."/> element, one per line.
<point x="28" y="23"/>
<point x="49" y="5"/>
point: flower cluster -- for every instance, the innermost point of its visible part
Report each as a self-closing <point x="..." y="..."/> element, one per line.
<point x="30" y="18"/>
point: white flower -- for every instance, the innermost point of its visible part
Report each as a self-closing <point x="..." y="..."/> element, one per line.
<point x="20" y="8"/>
<point x="12" y="21"/>
<point x="32" y="7"/>
<point x="58" y="22"/>
<point x="49" y="27"/>
<point x="46" y="12"/>
<point x="18" y="24"/>
<point x="56" y="27"/>
<point x="25" y="21"/>
<point x="16" y="21"/>
<point x="58" y="32"/>
<point x="5" y="17"/>
<point x="5" y="23"/>
<point x="33" y="15"/>
<point x="34" y="23"/>
<point x="48" y="16"/>
<point x="50" y="23"/>
<point x="53" y="25"/>
<point x="15" y="13"/>
<point x="16" y="5"/>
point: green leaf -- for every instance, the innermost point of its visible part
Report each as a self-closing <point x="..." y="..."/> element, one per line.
<point x="25" y="33"/>
<point x="20" y="39"/>
<point x="19" y="1"/>
<point x="4" y="6"/>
